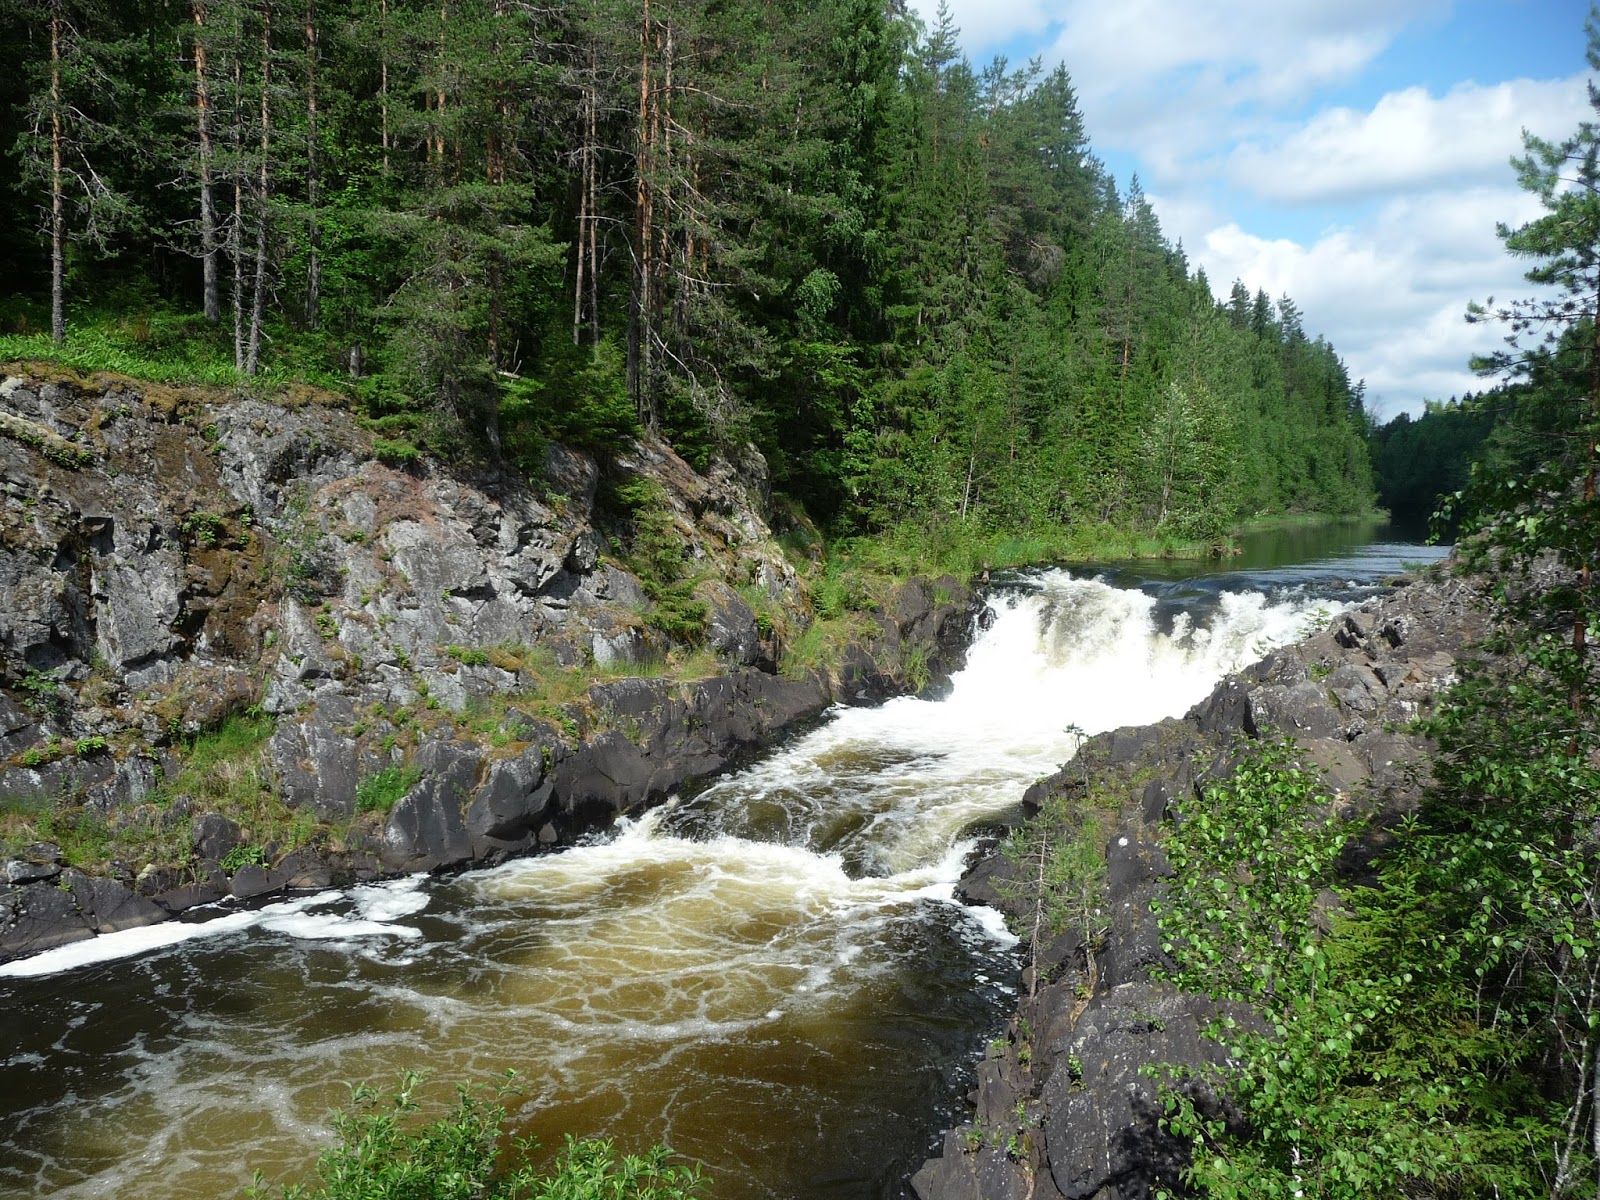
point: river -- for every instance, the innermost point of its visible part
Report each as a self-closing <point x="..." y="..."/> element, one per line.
<point x="771" y="975"/>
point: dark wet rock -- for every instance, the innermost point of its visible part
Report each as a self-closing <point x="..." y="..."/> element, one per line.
<point x="731" y="626"/>
<point x="425" y="830"/>
<point x="1102" y="1116"/>
<point x="316" y="764"/>
<point x="250" y="881"/>
<point x="39" y="918"/>
<point x="512" y="803"/>
<point x="213" y="835"/>
<point x="986" y="1173"/>
<point x="206" y="885"/>
<point x="20" y="871"/>
<point x="109" y="906"/>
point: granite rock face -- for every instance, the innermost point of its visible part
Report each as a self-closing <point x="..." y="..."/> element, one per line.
<point x="1092" y="1018"/>
<point x="171" y="557"/>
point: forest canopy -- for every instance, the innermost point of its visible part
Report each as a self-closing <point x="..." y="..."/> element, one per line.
<point x="815" y="227"/>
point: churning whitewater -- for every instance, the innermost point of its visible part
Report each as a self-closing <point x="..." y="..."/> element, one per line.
<point x="770" y="975"/>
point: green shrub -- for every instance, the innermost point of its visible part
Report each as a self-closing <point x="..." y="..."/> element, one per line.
<point x="468" y="656"/>
<point x="379" y="791"/>
<point x="395" y="452"/>
<point x="388" y="1150"/>
<point x="243" y="856"/>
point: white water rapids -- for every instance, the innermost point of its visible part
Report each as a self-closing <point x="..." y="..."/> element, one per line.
<point x="771" y="975"/>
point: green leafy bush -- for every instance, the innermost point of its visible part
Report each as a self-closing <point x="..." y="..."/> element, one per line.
<point x="1371" y="1067"/>
<point x="243" y="856"/>
<point x="379" y="791"/>
<point x="389" y="1150"/>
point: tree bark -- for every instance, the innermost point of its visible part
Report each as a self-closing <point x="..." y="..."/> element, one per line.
<point x="58" y="220"/>
<point x="640" y="316"/>
<point x="585" y="166"/>
<point x="258" y="299"/>
<point x="236" y="228"/>
<point x="211" y="301"/>
<point x="383" y="79"/>
<point x="438" y="136"/>
<point x="314" y="230"/>
<point x="594" y="199"/>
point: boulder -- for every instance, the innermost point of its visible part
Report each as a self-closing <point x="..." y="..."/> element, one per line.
<point x="109" y="906"/>
<point x="425" y="830"/>
<point x="315" y="763"/>
<point x="213" y="835"/>
<point x="514" y="800"/>
<point x="39" y="917"/>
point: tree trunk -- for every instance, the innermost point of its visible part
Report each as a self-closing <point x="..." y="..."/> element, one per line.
<point x="640" y="318"/>
<point x="314" y="232"/>
<point x="383" y="80"/>
<point x="439" y="103"/>
<point x="212" y="302"/>
<point x="585" y="167"/>
<point x="58" y="222"/>
<point x="236" y="228"/>
<point x="258" y="299"/>
<point x="594" y="200"/>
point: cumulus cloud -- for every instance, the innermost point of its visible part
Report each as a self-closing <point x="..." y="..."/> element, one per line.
<point x="985" y="24"/>
<point x="1409" y="139"/>
<point x="1170" y="78"/>
<point x="1390" y="293"/>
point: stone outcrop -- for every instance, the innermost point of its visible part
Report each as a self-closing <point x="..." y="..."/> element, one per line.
<point x="169" y="557"/>
<point x="1063" y="1109"/>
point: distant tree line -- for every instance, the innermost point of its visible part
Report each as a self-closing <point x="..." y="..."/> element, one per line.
<point x="1425" y="466"/>
<point x="815" y="226"/>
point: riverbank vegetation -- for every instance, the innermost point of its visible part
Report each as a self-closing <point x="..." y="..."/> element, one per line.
<point x="908" y="280"/>
<point x="387" y="1146"/>
<point x="1436" y="1029"/>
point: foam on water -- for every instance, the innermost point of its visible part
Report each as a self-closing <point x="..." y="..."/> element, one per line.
<point x="379" y="905"/>
<point x="887" y="790"/>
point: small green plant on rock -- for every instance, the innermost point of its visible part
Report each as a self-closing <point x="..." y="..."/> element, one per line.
<point x="243" y="856"/>
<point x="468" y="656"/>
<point x="205" y="529"/>
<point x="379" y="791"/>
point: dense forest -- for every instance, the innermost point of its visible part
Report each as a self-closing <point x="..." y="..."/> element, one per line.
<point x="815" y="227"/>
<point x="1419" y="461"/>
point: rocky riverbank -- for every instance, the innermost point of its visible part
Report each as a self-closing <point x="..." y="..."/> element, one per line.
<point x="445" y="667"/>
<point x="1061" y="1108"/>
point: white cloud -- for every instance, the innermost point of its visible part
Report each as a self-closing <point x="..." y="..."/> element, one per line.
<point x="1172" y="79"/>
<point x="1390" y="294"/>
<point x="985" y="24"/>
<point x="1409" y="139"/>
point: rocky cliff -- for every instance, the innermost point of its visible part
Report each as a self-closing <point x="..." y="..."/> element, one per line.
<point x="431" y="666"/>
<point x="1062" y="1109"/>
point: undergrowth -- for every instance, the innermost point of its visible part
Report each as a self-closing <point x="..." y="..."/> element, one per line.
<point x="391" y="1144"/>
<point x="223" y="771"/>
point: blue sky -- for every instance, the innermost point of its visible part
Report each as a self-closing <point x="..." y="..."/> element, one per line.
<point x="1352" y="154"/>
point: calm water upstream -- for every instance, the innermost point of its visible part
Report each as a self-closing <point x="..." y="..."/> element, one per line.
<point x="770" y="975"/>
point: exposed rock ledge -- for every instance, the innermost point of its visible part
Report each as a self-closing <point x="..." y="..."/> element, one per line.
<point x="170" y="556"/>
<point x="1061" y="1109"/>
